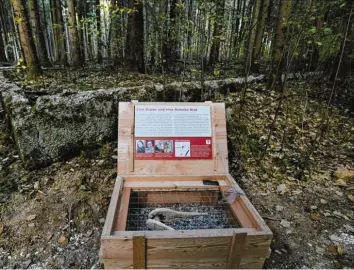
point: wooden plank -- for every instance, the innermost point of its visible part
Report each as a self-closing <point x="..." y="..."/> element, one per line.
<point x="132" y="143"/>
<point x="205" y="197"/>
<point x="236" y="250"/>
<point x="121" y="218"/>
<point x="139" y="250"/>
<point x="196" y="253"/>
<point x="108" y="225"/>
<point x="117" y="252"/>
<point x="242" y="218"/>
<point x="185" y="178"/>
<point x="116" y="264"/>
<point x="180" y="234"/>
<point x="176" y="185"/>
<point x="250" y="210"/>
<point x="252" y="262"/>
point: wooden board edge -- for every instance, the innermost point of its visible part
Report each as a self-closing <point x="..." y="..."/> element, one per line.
<point x="123" y="210"/>
<point x="250" y="209"/>
<point x="108" y="225"/>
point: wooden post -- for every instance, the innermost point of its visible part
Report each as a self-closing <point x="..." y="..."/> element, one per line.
<point x="139" y="250"/>
<point x="132" y="143"/>
<point x="236" y="250"/>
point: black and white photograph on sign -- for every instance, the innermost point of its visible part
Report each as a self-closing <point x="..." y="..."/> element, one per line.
<point x="140" y="146"/>
<point x="150" y="146"/>
<point x="182" y="149"/>
<point x="163" y="146"/>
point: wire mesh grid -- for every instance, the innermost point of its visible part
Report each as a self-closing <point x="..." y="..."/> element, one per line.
<point x="215" y="215"/>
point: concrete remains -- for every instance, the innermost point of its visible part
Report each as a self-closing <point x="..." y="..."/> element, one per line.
<point x="56" y="127"/>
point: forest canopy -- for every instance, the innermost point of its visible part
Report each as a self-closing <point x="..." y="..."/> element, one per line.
<point x="154" y="36"/>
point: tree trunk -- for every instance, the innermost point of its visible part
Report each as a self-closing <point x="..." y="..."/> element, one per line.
<point x="99" y="33"/>
<point x="348" y="48"/>
<point x="263" y="13"/>
<point x="26" y="40"/>
<point x="81" y="26"/>
<point x="134" y="47"/>
<point x="2" y="46"/>
<point x="218" y="25"/>
<point x="58" y="32"/>
<point x="74" y="36"/>
<point x="37" y="31"/>
<point x="253" y="30"/>
<point x="279" y="44"/>
<point x="169" y="48"/>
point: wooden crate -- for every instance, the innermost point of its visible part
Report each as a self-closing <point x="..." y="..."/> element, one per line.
<point x="244" y="247"/>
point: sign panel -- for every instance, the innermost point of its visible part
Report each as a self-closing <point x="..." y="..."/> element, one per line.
<point x="172" y="132"/>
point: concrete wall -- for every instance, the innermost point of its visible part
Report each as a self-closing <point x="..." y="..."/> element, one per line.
<point x="55" y="127"/>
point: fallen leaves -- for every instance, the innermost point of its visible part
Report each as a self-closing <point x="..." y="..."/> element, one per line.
<point x="344" y="174"/>
<point x="63" y="241"/>
<point x="351" y="197"/>
<point x="314" y="216"/>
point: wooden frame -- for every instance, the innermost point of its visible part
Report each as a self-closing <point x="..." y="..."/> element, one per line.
<point x="244" y="247"/>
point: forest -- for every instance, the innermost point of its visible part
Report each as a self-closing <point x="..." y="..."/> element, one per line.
<point x="283" y="68"/>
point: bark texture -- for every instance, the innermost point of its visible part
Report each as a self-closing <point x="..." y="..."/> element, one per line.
<point x="26" y="40"/>
<point x="74" y="36"/>
<point x="134" y="59"/>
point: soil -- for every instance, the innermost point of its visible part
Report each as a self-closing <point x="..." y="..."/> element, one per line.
<point x="53" y="217"/>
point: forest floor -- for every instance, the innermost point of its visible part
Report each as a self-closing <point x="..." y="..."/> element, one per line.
<point x="53" y="217"/>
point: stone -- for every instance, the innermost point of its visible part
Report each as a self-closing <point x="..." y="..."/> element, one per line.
<point x="340" y="194"/>
<point x="281" y="189"/>
<point x="57" y="126"/>
<point x="102" y="220"/>
<point x="323" y="201"/>
<point x="31" y="217"/>
<point x="334" y="238"/>
<point x="279" y="208"/>
<point x="284" y="223"/>
<point x="349" y="228"/>
<point x="36" y="185"/>
<point x="319" y="250"/>
<point x="26" y="264"/>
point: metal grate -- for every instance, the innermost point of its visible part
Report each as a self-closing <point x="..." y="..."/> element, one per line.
<point x="219" y="216"/>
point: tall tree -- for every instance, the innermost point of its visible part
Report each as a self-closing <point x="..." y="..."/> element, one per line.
<point x="80" y="8"/>
<point x="99" y="31"/>
<point x="134" y="47"/>
<point x="59" y="33"/>
<point x="252" y="31"/>
<point x="26" y="40"/>
<point x="279" y="44"/>
<point x="2" y="44"/>
<point x="169" y="48"/>
<point x="347" y="42"/>
<point x="218" y="25"/>
<point x="37" y="31"/>
<point x="255" y="57"/>
<point x="76" y="59"/>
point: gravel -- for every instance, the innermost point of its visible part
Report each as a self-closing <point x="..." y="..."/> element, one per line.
<point x="218" y="217"/>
